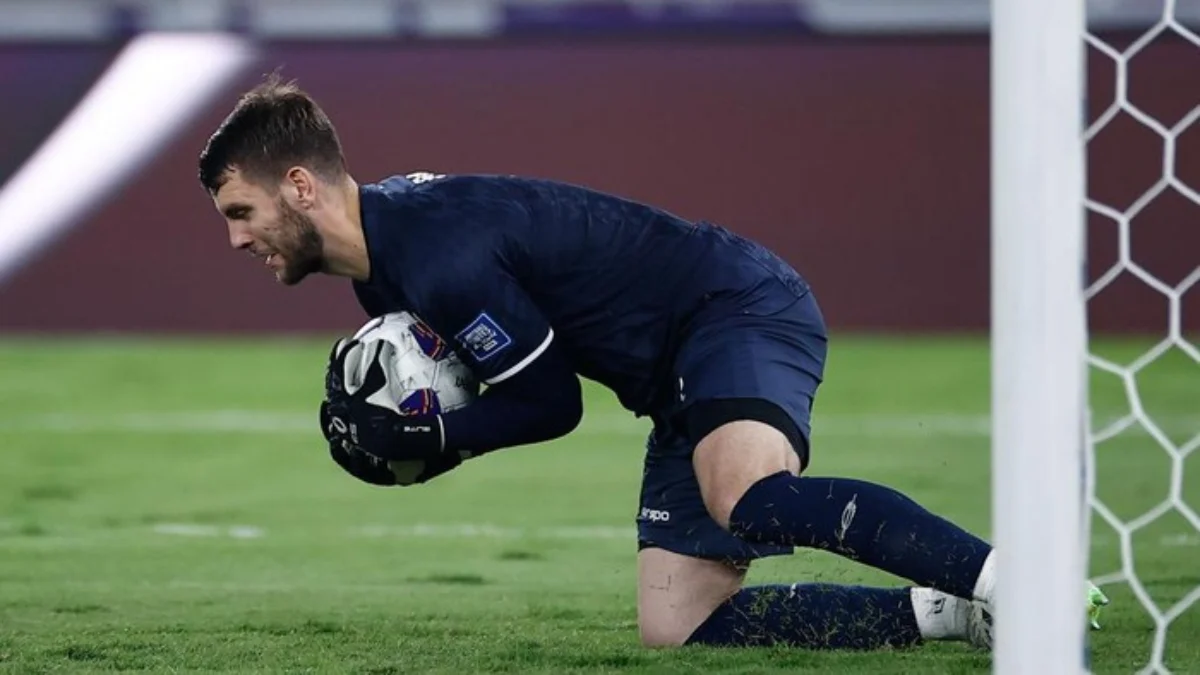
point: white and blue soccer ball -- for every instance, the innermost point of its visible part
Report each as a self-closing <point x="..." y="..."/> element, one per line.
<point x="423" y="374"/>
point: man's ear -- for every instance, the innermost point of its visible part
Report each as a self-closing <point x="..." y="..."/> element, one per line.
<point x="303" y="186"/>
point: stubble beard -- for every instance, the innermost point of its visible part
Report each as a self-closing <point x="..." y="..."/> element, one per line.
<point x="303" y="252"/>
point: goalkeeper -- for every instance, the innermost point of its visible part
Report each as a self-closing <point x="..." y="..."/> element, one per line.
<point x="713" y="337"/>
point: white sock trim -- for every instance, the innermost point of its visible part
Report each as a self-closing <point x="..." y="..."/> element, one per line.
<point x="985" y="585"/>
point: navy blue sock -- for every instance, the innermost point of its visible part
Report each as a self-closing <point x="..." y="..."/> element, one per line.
<point x="812" y="616"/>
<point x="865" y="522"/>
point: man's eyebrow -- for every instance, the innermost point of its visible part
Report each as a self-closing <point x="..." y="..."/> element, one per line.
<point x="236" y="210"/>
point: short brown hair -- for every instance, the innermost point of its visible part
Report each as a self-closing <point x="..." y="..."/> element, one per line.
<point x="273" y="127"/>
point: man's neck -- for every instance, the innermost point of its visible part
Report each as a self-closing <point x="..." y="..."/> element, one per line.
<point x="345" y="242"/>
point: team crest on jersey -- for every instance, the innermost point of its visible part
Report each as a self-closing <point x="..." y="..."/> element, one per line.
<point x="430" y="343"/>
<point x="483" y="337"/>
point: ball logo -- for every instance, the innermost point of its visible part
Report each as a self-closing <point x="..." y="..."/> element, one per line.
<point x="431" y="344"/>
<point x="420" y="402"/>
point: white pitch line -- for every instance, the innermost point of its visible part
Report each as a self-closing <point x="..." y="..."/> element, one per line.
<point x="484" y="531"/>
<point x="419" y="530"/>
<point x="198" y="530"/>
<point x="491" y="531"/>
<point x="54" y="540"/>
<point x="188" y="422"/>
<point x="289" y="422"/>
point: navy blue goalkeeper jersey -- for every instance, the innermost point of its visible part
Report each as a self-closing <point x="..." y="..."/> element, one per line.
<point x="501" y="267"/>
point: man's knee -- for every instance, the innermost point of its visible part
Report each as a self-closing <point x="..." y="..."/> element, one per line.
<point x="738" y="442"/>
<point x="661" y="634"/>
<point x="733" y="457"/>
<point x="677" y="593"/>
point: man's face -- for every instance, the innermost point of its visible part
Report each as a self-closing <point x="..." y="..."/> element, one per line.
<point x="267" y="227"/>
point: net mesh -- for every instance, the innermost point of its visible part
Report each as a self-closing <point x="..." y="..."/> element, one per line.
<point x="1143" y="294"/>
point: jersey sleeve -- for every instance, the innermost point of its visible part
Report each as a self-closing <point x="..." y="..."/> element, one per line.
<point x="369" y="300"/>
<point x="489" y="318"/>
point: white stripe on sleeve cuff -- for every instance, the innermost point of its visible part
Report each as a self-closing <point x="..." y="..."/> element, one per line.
<point x="523" y="362"/>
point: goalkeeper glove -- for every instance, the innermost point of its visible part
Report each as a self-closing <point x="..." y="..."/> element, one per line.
<point x="375" y="471"/>
<point x="366" y="468"/>
<point x="351" y="420"/>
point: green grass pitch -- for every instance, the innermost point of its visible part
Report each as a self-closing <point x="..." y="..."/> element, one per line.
<point x="168" y="506"/>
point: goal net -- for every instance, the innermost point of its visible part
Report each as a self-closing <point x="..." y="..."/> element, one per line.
<point x="1143" y="310"/>
<point x="1095" y="324"/>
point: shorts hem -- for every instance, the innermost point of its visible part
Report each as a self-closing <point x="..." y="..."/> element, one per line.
<point x="743" y="556"/>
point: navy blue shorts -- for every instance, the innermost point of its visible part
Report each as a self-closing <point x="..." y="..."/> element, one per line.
<point x="771" y="347"/>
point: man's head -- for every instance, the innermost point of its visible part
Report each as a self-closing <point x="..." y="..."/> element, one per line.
<point x="274" y="168"/>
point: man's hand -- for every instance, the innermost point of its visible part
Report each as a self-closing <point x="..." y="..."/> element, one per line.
<point x="354" y="416"/>
<point x="375" y="471"/>
<point x="366" y="468"/>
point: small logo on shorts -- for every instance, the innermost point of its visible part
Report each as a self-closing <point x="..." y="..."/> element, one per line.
<point x="654" y="515"/>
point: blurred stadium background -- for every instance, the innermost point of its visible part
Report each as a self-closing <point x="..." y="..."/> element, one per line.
<point x="164" y="499"/>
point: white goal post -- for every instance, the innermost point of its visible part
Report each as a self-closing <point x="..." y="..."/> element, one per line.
<point x="1039" y="335"/>
<point x="1047" y="493"/>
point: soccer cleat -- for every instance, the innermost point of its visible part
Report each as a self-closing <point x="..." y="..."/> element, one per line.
<point x="979" y="626"/>
<point x="1095" y="600"/>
